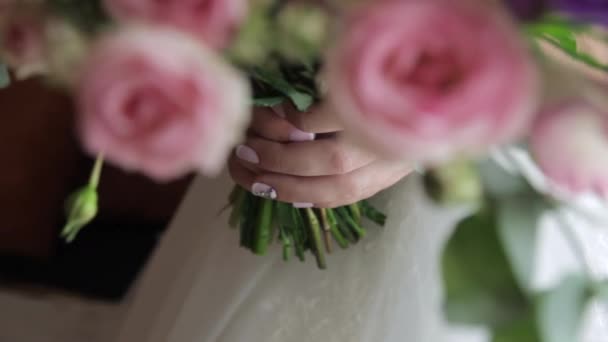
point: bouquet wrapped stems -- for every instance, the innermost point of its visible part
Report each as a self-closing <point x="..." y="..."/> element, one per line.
<point x="262" y="221"/>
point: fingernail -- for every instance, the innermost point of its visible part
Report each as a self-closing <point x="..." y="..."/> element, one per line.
<point x="298" y="135"/>
<point x="302" y="205"/>
<point x="279" y="110"/>
<point x="247" y="154"/>
<point x="264" y="191"/>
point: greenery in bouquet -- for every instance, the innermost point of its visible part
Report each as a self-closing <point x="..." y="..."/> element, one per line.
<point x="501" y="105"/>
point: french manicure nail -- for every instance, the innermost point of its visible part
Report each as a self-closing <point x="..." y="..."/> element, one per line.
<point x="298" y="136"/>
<point x="264" y="191"/>
<point x="247" y="154"/>
<point x="302" y="205"/>
<point x="279" y="110"/>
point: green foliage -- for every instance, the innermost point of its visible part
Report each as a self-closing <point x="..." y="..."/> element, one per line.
<point x="371" y="213"/>
<point x="498" y="182"/>
<point x="301" y="31"/>
<point x="479" y="284"/>
<point x="560" y="310"/>
<point x="88" y="15"/>
<point x="253" y="44"/>
<point x="268" y="101"/>
<point x="600" y="290"/>
<point x="273" y="83"/>
<point x="518" y="218"/>
<point x="265" y="47"/>
<point x="488" y="266"/>
<point x="523" y="329"/>
<point x="292" y="31"/>
<point x="563" y="35"/>
<point x="263" y="221"/>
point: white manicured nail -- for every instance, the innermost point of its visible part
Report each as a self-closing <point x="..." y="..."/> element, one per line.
<point x="247" y="154"/>
<point x="264" y="191"/>
<point x="298" y="136"/>
<point x="303" y="205"/>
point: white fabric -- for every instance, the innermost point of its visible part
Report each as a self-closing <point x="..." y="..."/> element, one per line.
<point x="384" y="289"/>
<point x="202" y="287"/>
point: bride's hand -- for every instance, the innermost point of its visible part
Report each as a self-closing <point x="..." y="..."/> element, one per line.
<point x="280" y="159"/>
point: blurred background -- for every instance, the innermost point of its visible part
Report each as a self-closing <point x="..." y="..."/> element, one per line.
<point x="41" y="165"/>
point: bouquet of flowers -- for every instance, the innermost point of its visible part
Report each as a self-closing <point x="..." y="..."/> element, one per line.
<point x="460" y="89"/>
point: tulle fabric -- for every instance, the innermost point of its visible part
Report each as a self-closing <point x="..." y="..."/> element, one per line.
<point x="384" y="289"/>
<point x="202" y="287"/>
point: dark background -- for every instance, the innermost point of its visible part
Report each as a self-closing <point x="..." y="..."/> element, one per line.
<point x="41" y="165"/>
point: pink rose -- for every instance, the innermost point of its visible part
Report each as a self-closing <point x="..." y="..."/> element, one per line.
<point x="570" y="144"/>
<point x="213" y="21"/>
<point x="427" y="79"/>
<point x="22" y="40"/>
<point x="156" y="101"/>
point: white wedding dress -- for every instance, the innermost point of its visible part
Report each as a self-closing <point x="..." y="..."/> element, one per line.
<point x="202" y="287"/>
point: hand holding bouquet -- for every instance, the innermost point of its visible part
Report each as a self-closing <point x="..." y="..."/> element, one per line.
<point x="344" y="98"/>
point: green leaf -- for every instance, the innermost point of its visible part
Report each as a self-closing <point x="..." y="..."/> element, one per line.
<point x="499" y="182"/>
<point x="518" y="218"/>
<point x="520" y="330"/>
<point x="601" y="290"/>
<point x="560" y="310"/>
<point x="479" y="284"/>
<point x="88" y="15"/>
<point x="302" y="30"/>
<point x="276" y="80"/>
<point x="268" y="101"/>
<point x="256" y="38"/>
<point x="5" y="78"/>
<point x="562" y="34"/>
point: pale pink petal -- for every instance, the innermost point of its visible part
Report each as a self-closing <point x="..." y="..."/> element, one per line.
<point x="164" y="112"/>
<point x="427" y="80"/>
<point x="570" y="144"/>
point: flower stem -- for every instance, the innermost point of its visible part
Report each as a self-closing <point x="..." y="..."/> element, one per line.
<point x="335" y="231"/>
<point x="263" y="231"/>
<point x="326" y="230"/>
<point x="96" y="173"/>
<point x="356" y="211"/>
<point x="315" y="230"/>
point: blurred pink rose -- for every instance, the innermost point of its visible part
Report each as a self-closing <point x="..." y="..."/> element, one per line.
<point x="155" y="101"/>
<point x="570" y="144"/>
<point x="427" y="79"/>
<point x="22" y="40"/>
<point x="213" y="21"/>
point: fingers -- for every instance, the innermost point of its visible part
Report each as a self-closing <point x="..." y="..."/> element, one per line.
<point x="316" y="120"/>
<point x="323" y="191"/>
<point x="281" y="160"/>
<point x="313" y="158"/>
<point x="270" y="125"/>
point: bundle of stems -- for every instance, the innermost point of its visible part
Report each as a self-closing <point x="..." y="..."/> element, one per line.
<point x="261" y="221"/>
